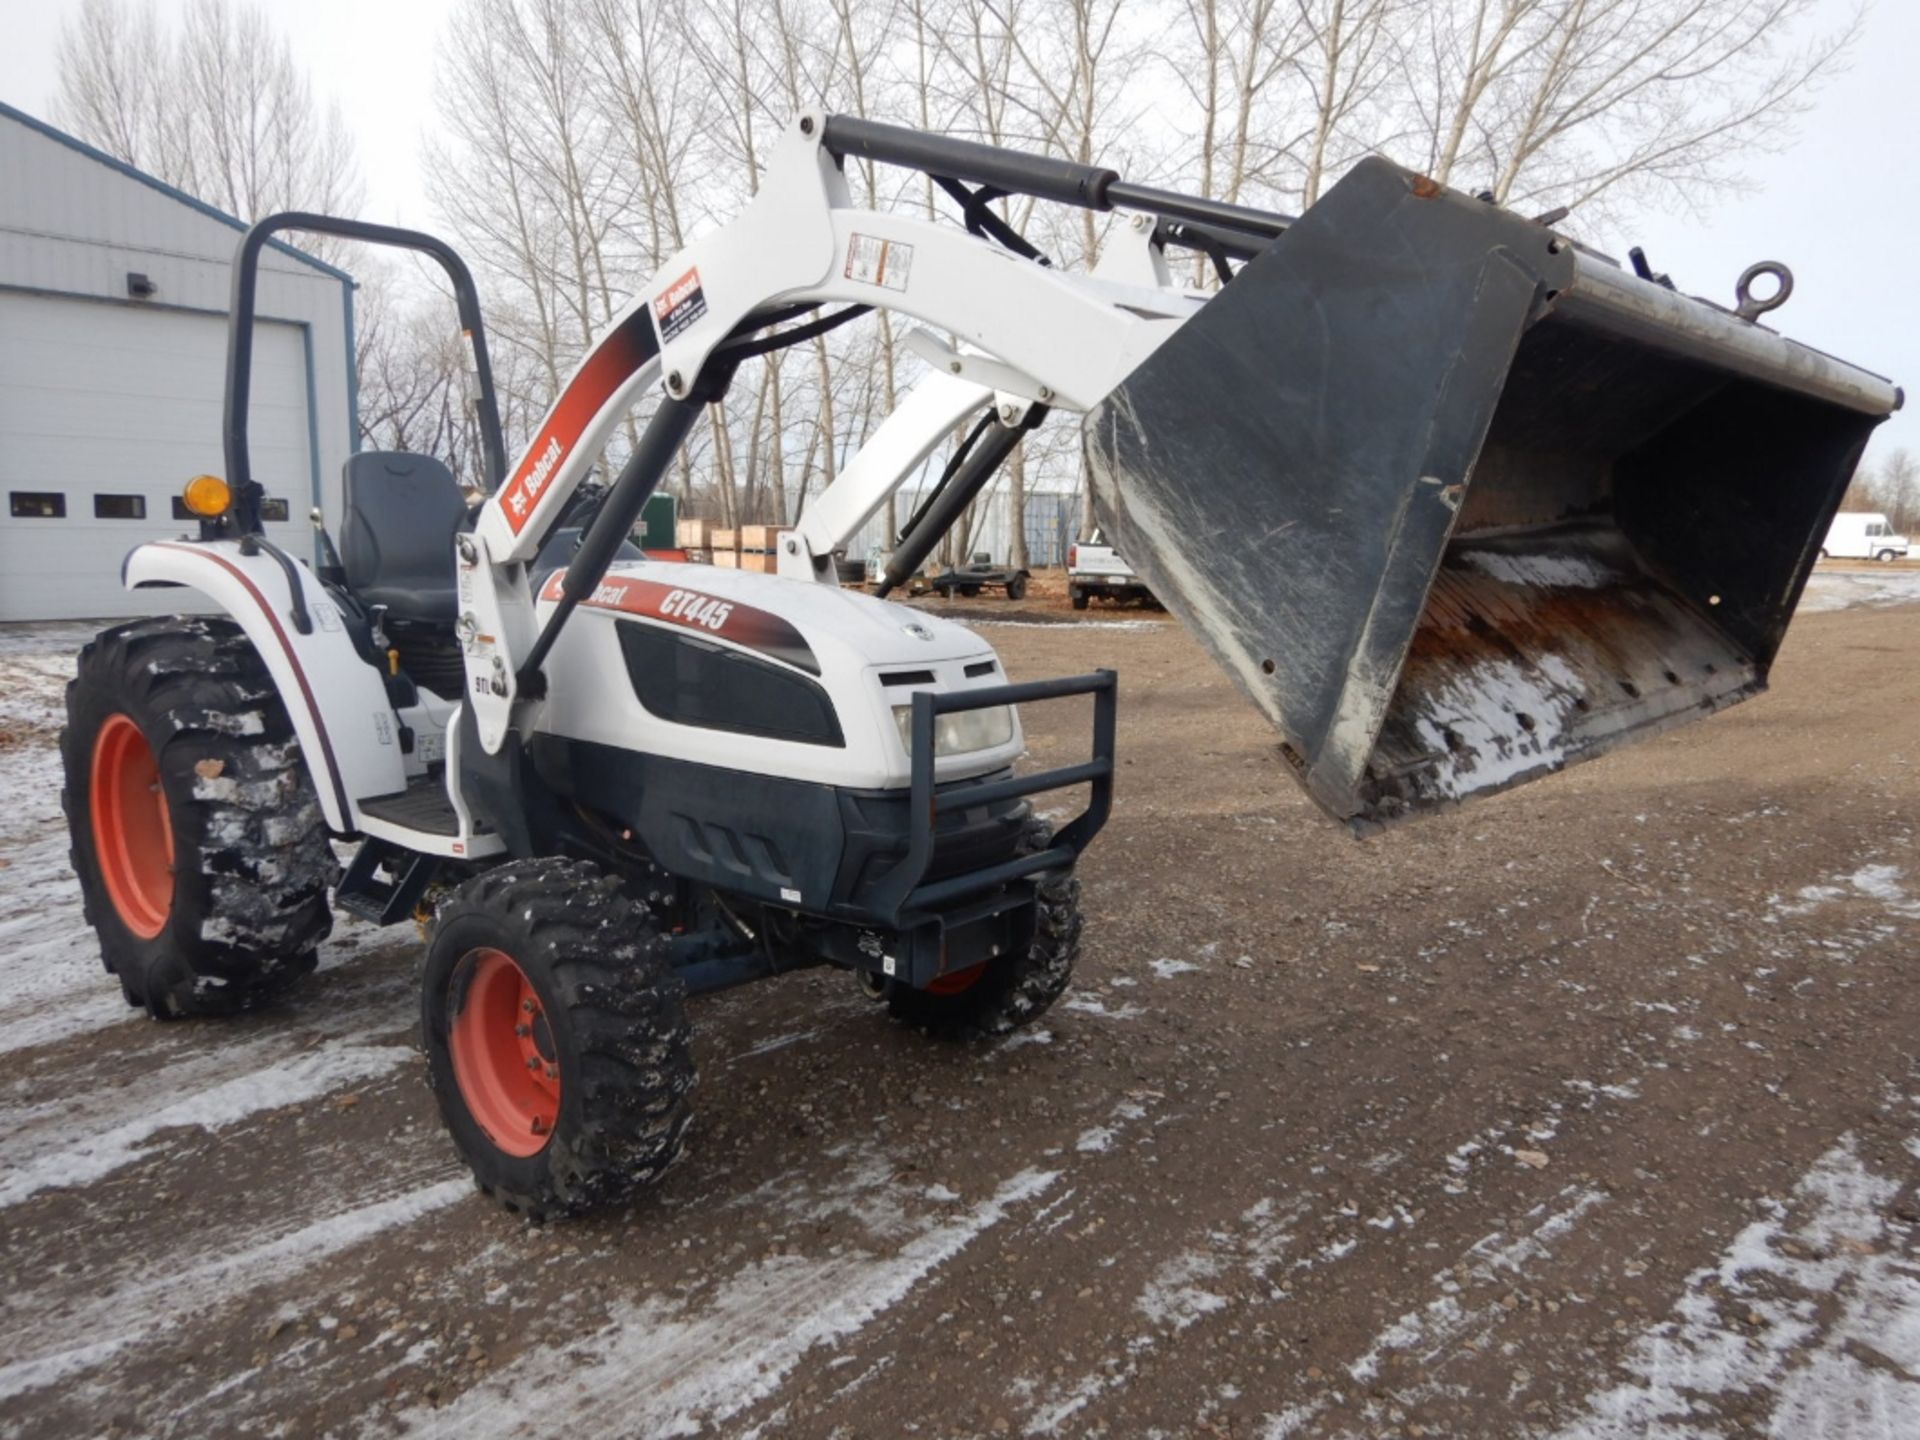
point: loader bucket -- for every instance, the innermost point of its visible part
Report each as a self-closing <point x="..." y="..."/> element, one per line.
<point x="1457" y="504"/>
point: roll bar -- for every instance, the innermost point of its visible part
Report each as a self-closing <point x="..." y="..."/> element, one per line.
<point x="246" y="274"/>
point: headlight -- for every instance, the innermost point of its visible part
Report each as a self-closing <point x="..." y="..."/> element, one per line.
<point x="959" y="733"/>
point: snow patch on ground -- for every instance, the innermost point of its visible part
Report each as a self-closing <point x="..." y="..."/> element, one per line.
<point x="1029" y="1036"/>
<point x="1094" y="1140"/>
<point x="45" y="1149"/>
<point x="1166" y="969"/>
<point x="1176" y="1297"/>
<point x="1083" y="1004"/>
<point x="665" y="1369"/>
<point x="1879" y="883"/>
<point x="69" y="1339"/>
<point x="1058" y="624"/>
<point x="1443" y="1321"/>
<point x="1812" y="1311"/>
<point x="1859" y="589"/>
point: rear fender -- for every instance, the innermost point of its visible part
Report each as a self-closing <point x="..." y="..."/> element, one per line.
<point x="336" y="700"/>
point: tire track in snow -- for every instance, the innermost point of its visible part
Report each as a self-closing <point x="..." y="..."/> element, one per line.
<point x="63" y="1143"/>
<point x="47" y="1346"/>
<point x="1814" y="1310"/>
<point x="1440" y="1329"/>
<point x="54" y="988"/>
<point x="1258" y="1249"/>
<point x="666" y="1369"/>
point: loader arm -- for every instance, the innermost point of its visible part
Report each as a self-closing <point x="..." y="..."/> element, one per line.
<point x="1028" y="333"/>
<point x="1454" y="501"/>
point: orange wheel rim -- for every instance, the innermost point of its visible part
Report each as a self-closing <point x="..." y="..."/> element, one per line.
<point x="132" y="832"/>
<point x="504" y="1059"/>
<point x="958" y="981"/>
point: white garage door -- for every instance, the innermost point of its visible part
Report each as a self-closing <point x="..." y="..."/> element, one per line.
<point x="105" y="412"/>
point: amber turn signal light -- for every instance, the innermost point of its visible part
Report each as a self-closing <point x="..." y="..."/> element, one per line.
<point x="207" y="496"/>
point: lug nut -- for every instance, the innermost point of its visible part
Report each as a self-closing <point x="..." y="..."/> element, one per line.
<point x="523" y="1031"/>
<point x="527" y="1005"/>
<point x="533" y="1062"/>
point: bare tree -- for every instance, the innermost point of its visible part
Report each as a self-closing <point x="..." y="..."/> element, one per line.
<point x="589" y="140"/>
<point x="1894" y="487"/>
<point x="1561" y="102"/>
<point x="218" y="108"/>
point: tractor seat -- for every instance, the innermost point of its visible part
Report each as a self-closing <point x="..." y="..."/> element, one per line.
<point x="396" y="545"/>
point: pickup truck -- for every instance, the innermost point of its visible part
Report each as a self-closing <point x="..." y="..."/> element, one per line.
<point x="1093" y="568"/>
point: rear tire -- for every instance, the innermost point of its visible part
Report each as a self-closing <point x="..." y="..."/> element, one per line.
<point x="1886" y="557"/>
<point x="201" y="851"/>
<point x="1001" y="995"/>
<point x="590" y="1105"/>
<point x="1076" y="597"/>
<point x="1017" y="588"/>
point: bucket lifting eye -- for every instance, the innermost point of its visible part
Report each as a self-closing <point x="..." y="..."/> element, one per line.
<point x="1748" y="307"/>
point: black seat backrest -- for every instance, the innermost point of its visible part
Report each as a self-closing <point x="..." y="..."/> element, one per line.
<point x="558" y="552"/>
<point x="396" y="543"/>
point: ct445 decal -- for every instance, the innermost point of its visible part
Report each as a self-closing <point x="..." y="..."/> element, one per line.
<point x="676" y="605"/>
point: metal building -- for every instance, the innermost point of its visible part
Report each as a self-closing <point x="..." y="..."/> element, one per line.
<point x="113" y="342"/>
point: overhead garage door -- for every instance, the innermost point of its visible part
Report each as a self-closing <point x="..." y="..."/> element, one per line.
<point x="105" y="412"/>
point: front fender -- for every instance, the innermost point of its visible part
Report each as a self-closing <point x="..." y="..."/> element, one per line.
<point x="336" y="700"/>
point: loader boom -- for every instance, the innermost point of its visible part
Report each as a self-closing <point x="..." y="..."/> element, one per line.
<point x="1427" y="479"/>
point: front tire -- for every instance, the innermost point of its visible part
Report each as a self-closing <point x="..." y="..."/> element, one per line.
<point x="1885" y="557"/>
<point x="556" y="1037"/>
<point x="1017" y="588"/>
<point x="200" y="848"/>
<point x="1076" y="597"/>
<point x="1001" y="995"/>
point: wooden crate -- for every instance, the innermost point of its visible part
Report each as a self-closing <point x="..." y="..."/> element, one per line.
<point x="766" y="562"/>
<point x="762" y="537"/>
<point x="727" y="559"/>
<point x="694" y="534"/>
<point x="724" y="540"/>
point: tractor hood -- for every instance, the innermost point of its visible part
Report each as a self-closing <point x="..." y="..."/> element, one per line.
<point x="813" y="627"/>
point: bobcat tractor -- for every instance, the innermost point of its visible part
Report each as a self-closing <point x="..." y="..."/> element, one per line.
<point x="1454" y="501"/>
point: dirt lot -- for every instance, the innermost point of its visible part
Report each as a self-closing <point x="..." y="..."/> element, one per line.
<point x="1590" y="1110"/>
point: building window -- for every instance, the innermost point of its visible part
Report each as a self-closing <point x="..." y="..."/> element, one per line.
<point x="119" y="507"/>
<point x="38" y="504"/>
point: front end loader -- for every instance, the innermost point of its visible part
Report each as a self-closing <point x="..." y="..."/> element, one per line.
<point x="1454" y="501"/>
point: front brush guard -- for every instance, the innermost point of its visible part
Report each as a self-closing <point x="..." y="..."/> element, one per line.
<point x="903" y="895"/>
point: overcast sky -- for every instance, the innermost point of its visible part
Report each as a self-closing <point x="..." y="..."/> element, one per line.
<point x="1842" y="207"/>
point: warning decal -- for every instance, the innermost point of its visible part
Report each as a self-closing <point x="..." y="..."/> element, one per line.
<point x="679" y="305"/>
<point x="873" y="261"/>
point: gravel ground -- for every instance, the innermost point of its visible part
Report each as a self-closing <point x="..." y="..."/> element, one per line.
<point x="1585" y="1111"/>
